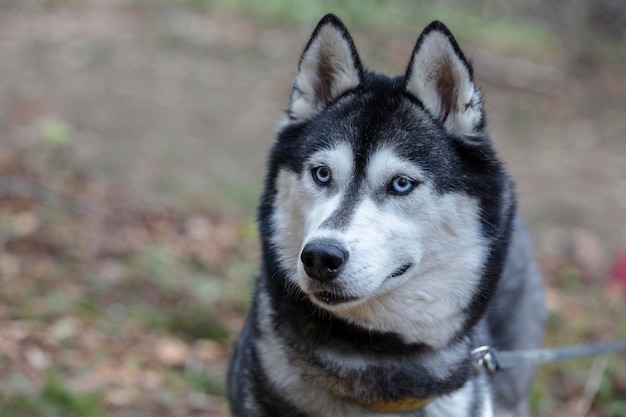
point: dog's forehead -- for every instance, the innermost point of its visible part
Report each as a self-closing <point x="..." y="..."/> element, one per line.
<point x="385" y="159"/>
<point x="370" y="122"/>
<point x="382" y="119"/>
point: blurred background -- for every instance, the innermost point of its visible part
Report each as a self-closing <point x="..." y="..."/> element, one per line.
<point x="133" y="137"/>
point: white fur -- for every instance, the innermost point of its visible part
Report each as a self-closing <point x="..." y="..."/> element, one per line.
<point x="457" y="404"/>
<point x="329" y="46"/>
<point x="438" y="234"/>
<point x="272" y="354"/>
<point x="301" y="206"/>
<point x="436" y="52"/>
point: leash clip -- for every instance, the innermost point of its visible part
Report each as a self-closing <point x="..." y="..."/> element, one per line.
<point x="484" y="358"/>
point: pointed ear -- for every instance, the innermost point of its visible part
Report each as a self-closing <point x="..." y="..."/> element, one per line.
<point x="328" y="67"/>
<point x="440" y="76"/>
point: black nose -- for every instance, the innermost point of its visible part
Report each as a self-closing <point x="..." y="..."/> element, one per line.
<point x="323" y="260"/>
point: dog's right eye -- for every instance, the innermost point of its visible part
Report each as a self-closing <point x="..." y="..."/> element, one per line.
<point x="321" y="174"/>
<point x="401" y="185"/>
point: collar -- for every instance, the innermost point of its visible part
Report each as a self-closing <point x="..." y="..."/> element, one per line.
<point x="403" y="405"/>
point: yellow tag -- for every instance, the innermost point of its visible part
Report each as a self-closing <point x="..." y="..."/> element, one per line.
<point x="399" y="406"/>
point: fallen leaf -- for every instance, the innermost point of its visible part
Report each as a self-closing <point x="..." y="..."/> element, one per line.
<point x="618" y="271"/>
<point x="172" y="352"/>
<point x="37" y="358"/>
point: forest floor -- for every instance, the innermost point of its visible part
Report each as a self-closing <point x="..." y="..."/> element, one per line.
<point x="132" y="145"/>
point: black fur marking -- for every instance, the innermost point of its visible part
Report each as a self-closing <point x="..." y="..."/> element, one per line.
<point x="400" y="271"/>
<point x="340" y="218"/>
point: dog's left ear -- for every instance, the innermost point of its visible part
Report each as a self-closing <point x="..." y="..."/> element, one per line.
<point x="328" y="67"/>
<point x="441" y="77"/>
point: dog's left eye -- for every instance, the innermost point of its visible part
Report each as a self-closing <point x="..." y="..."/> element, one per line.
<point x="401" y="185"/>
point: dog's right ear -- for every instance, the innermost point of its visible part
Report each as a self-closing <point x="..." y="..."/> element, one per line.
<point x="441" y="77"/>
<point x="328" y="67"/>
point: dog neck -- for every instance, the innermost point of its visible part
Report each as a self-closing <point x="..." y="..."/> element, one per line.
<point x="356" y="364"/>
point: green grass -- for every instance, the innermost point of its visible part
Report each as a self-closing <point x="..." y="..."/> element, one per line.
<point x="55" y="400"/>
<point x="202" y="381"/>
<point x="189" y="320"/>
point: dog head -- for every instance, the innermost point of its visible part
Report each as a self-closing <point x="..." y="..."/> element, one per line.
<point x="385" y="202"/>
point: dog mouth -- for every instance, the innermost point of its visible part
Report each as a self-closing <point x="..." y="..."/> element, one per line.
<point x="333" y="298"/>
<point x="400" y="271"/>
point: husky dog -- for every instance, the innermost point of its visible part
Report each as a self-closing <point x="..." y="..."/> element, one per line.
<point x="391" y="247"/>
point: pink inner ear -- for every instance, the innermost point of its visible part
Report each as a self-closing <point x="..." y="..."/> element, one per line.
<point x="325" y="76"/>
<point x="446" y="89"/>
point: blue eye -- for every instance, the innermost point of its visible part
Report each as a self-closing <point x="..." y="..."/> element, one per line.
<point x="401" y="185"/>
<point x="321" y="174"/>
